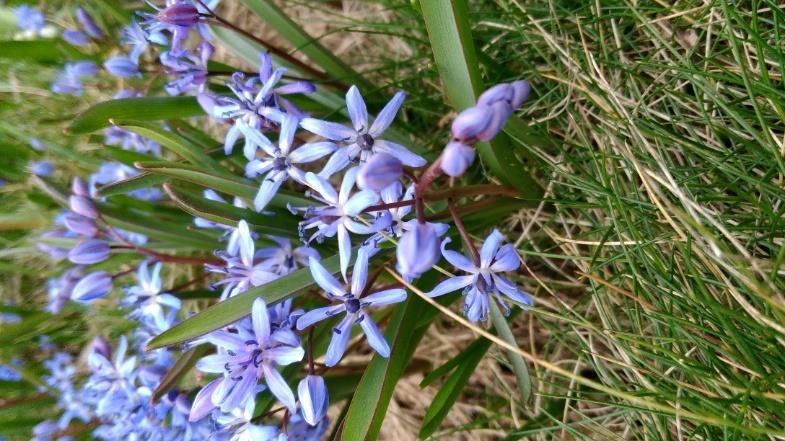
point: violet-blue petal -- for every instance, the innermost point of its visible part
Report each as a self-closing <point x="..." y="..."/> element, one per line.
<point x="213" y="364"/>
<point x="88" y="23"/>
<point x="88" y="252"/>
<point x="500" y="111"/>
<point x="180" y="14"/>
<point x="375" y="336"/>
<point x="403" y="154"/>
<point x="359" y="273"/>
<point x="489" y="248"/>
<point x="357" y="110"/>
<point x="471" y="122"/>
<point x="83" y="205"/>
<point x="92" y="286"/>
<point x="418" y="250"/>
<point x="279" y="387"/>
<point x="456" y="158"/>
<point x="521" y="90"/>
<point x="499" y="92"/>
<point x="337" y="162"/>
<point x="295" y="87"/>
<point x="317" y="315"/>
<point x="312" y="151"/>
<point x="314" y="398"/>
<point x="323" y="278"/>
<point x="260" y="320"/>
<point x="511" y="290"/>
<point x="340" y="338"/>
<point x="387" y="114"/>
<point x="286" y="134"/>
<point x="122" y="67"/>
<point x="360" y="201"/>
<point x="457" y="259"/>
<point x="270" y="185"/>
<point x="379" y="172"/>
<point x="285" y="355"/>
<point x="386" y="297"/>
<point x="75" y="37"/>
<point x="322" y="186"/>
<point x="80" y="225"/>
<point x="449" y="285"/>
<point x="506" y="259"/>
<point x="330" y="130"/>
<point x="203" y="405"/>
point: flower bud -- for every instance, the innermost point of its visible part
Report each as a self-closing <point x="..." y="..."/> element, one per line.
<point x="42" y="168"/>
<point x="89" y="252"/>
<point x="314" y="398"/>
<point x="500" y="111"/>
<point x="499" y="92"/>
<point x="78" y="187"/>
<point x="179" y="14"/>
<point x="80" y="225"/>
<point x="456" y="158"/>
<point x="418" y="250"/>
<point x="99" y="345"/>
<point x="203" y="404"/>
<point x="471" y="122"/>
<point x="122" y="67"/>
<point x="83" y="205"/>
<point x="88" y="23"/>
<point x="92" y="286"/>
<point x="521" y="89"/>
<point x="75" y="37"/>
<point x="379" y="172"/>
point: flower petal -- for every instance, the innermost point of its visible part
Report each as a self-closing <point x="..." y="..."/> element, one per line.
<point x="202" y="403"/>
<point x="314" y="398"/>
<point x="321" y="186"/>
<point x="457" y="259"/>
<point x="360" y="201"/>
<point x="312" y="151"/>
<point x="317" y="315"/>
<point x="246" y="243"/>
<point x="360" y="272"/>
<point x="279" y="387"/>
<point x="511" y="290"/>
<point x="270" y="185"/>
<point x="337" y="347"/>
<point x="449" y="285"/>
<point x="260" y="320"/>
<point x="489" y="248"/>
<point x="337" y="162"/>
<point x="285" y="355"/>
<point x="386" y="297"/>
<point x="344" y="249"/>
<point x="327" y="129"/>
<point x="213" y="364"/>
<point x="357" y="110"/>
<point x="506" y="259"/>
<point x="375" y="336"/>
<point x="286" y="135"/>
<point x="387" y="115"/>
<point x="402" y="153"/>
<point x="324" y="279"/>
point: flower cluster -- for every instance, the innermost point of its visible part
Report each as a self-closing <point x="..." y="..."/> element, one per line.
<point x="354" y="188"/>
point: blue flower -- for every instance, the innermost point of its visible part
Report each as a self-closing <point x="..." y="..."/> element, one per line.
<point x="42" y="168"/>
<point x="243" y="359"/>
<point x="379" y="172"/>
<point x="60" y="289"/>
<point x="76" y="37"/>
<point x="418" y="250"/>
<point x="337" y="216"/>
<point x="88" y="252"/>
<point x="283" y="258"/>
<point x="241" y="271"/>
<point x="362" y="139"/>
<point x="353" y="304"/>
<point x="69" y="80"/>
<point x="122" y="67"/>
<point x="139" y="40"/>
<point x="484" y="280"/>
<point x="88" y="24"/>
<point x="178" y="17"/>
<point x="190" y="69"/>
<point x="148" y="298"/>
<point x="314" y="399"/>
<point x="281" y="162"/>
<point x="29" y="18"/>
<point x="92" y="286"/>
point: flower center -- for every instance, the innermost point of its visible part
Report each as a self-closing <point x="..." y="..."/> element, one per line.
<point x="280" y="163"/>
<point x="352" y="304"/>
<point x="365" y="141"/>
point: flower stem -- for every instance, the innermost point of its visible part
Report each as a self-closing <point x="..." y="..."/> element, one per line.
<point x="517" y="362"/>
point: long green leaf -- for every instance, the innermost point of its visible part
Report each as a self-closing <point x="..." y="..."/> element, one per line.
<point x="143" y="180"/>
<point x="235" y="308"/>
<point x="42" y="51"/>
<point x="155" y="228"/>
<point x="100" y="115"/>
<point x="296" y="35"/>
<point x="227" y="214"/>
<point x="450" y="34"/>
<point x="173" y="142"/>
<point x="233" y="185"/>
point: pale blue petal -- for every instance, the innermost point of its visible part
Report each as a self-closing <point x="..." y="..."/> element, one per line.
<point x="324" y="279"/>
<point x="337" y="162"/>
<point x="270" y="185"/>
<point x="387" y="115"/>
<point x="506" y="259"/>
<point x="317" y="315"/>
<point x="321" y="186"/>
<point x="344" y="249"/>
<point x="311" y="152"/>
<point x="386" y="297"/>
<point x="330" y="130"/>
<point x="457" y="259"/>
<point x="260" y="320"/>
<point x="286" y="135"/>
<point x="246" y="243"/>
<point x="314" y="398"/>
<point x="278" y="387"/>
<point x="213" y="364"/>
<point x="340" y="338"/>
<point x="360" y="272"/>
<point x="511" y="290"/>
<point x="357" y="110"/>
<point x="284" y="355"/>
<point x="449" y="285"/>
<point x="347" y="184"/>
<point x="360" y="201"/>
<point x="202" y="404"/>
<point x="489" y="248"/>
<point x="257" y="167"/>
<point x="375" y="336"/>
<point x="402" y="153"/>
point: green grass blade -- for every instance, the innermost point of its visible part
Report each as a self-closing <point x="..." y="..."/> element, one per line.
<point x="235" y="308"/>
<point x="42" y="51"/>
<point x="517" y="362"/>
<point x="100" y="115"/>
<point x="143" y="180"/>
<point x="294" y="34"/>
<point x="450" y="35"/>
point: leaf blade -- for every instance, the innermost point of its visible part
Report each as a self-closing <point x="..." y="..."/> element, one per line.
<point x="138" y="109"/>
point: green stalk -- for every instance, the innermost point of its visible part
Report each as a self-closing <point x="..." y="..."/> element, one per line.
<point x="518" y="365"/>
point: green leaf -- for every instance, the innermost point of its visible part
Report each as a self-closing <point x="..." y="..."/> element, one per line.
<point x="43" y="51"/>
<point x="100" y="115"/>
<point x="173" y="142"/>
<point x="374" y="391"/>
<point x="233" y="185"/>
<point x="143" y="180"/>
<point x="178" y="370"/>
<point x="481" y="344"/>
<point x="451" y="389"/>
<point x="237" y="307"/>
<point x="227" y="214"/>
<point x="449" y="31"/>
<point x="155" y="228"/>
<point x="304" y="43"/>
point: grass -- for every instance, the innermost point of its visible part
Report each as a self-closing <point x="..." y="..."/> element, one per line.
<point x="656" y="256"/>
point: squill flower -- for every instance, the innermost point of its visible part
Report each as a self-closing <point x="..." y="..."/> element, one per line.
<point x="147" y="297"/>
<point x="363" y="139"/>
<point x="484" y="280"/>
<point x="353" y="304"/>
